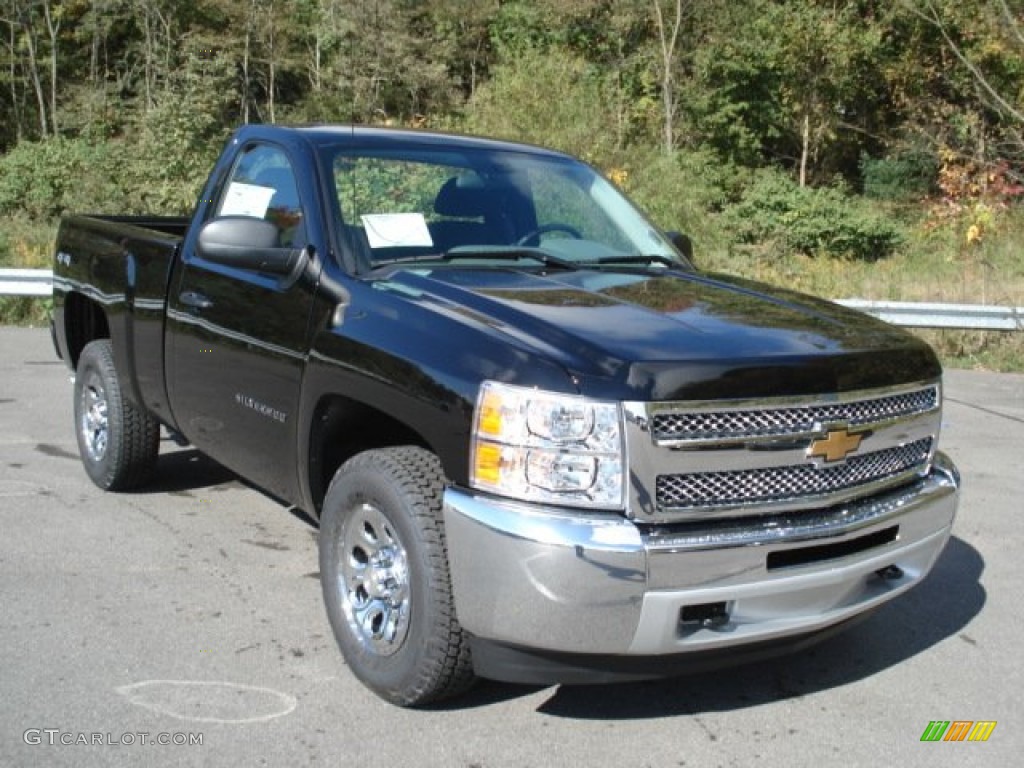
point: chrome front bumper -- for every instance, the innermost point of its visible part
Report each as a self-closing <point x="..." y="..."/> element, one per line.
<point x="595" y="583"/>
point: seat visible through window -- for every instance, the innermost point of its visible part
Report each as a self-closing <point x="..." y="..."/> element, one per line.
<point x="470" y="209"/>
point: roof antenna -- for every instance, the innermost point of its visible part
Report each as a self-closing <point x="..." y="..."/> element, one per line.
<point x="352" y="77"/>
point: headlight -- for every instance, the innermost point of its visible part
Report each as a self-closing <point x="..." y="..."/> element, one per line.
<point x="542" y="446"/>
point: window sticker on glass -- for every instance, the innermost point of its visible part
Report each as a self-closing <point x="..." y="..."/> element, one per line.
<point x="395" y="230"/>
<point x="246" y="200"/>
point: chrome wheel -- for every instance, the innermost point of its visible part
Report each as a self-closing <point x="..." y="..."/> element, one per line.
<point x="373" y="580"/>
<point x="117" y="440"/>
<point x="384" y="574"/>
<point x="94" y="425"/>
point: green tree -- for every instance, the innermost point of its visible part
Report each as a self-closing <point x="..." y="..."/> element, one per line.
<point x="794" y="83"/>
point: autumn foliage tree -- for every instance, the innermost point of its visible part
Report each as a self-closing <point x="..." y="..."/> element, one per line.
<point x="817" y="89"/>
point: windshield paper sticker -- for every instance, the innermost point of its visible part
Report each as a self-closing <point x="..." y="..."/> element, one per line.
<point x="246" y="200"/>
<point x="396" y="230"/>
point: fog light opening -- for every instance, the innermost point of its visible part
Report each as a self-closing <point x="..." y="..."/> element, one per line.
<point x="890" y="573"/>
<point x="704" y="616"/>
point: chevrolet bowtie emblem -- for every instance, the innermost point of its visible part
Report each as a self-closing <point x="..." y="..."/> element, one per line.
<point x="835" y="446"/>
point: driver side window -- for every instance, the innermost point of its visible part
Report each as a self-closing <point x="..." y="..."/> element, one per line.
<point x="262" y="184"/>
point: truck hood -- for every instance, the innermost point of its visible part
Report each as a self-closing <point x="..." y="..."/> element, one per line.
<point x="667" y="334"/>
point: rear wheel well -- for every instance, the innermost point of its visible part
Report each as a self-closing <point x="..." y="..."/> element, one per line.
<point x="341" y="428"/>
<point x="84" y="321"/>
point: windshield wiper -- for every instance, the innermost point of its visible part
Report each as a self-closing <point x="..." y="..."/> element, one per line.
<point x="498" y="252"/>
<point x="651" y="259"/>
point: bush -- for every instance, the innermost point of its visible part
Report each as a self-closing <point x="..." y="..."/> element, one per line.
<point x="567" y="113"/>
<point x="25" y="243"/>
<point x="46" y="178"/>
<point x="157" y="168"/>
<point x="907" y="175"/>
<point x="679" y="192"/>
<point x="774" y="211"/>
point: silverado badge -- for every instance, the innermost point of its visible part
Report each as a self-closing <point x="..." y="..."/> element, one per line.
<point x="835" y="446"/>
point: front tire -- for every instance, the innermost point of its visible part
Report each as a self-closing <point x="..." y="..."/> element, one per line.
<point x="118" y="442"/>
<point x="384" y="572"/>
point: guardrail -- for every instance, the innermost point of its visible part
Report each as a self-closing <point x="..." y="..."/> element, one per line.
<point x="971" y="317"/>
<point x="26" y="282"/>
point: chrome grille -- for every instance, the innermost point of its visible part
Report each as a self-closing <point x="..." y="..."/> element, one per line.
<point x="781" y="421"/>
<point x="780" y="484"/>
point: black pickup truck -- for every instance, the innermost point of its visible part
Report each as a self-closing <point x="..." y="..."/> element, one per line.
<point x="540" y="444"/>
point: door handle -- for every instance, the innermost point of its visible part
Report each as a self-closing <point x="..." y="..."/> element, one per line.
<point x="196" y="300"/>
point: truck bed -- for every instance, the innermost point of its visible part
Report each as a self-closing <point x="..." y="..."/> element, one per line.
<point x="124" y="265"/>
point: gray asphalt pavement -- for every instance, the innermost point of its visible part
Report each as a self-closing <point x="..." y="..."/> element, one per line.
<point x="193" y="612"/>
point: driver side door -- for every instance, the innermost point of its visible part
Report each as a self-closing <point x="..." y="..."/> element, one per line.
<point x="238" y="338"/>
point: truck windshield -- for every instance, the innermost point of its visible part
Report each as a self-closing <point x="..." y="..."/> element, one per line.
<point x="488" y="206"/>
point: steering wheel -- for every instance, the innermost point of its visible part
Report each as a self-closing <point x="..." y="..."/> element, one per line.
<point x="534" y="234"/>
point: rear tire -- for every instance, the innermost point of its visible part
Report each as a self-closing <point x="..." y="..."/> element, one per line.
<point x="384" y="572"/>
<point x="117" y="441"/>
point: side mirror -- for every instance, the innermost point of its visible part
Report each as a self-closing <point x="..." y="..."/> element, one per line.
<point x="682" y="243"/>
<point x="246" y="242"/>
